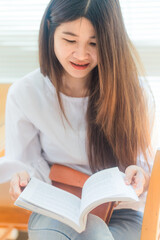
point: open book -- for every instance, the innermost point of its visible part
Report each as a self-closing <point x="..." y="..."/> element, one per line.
<point x="104" y="186"/>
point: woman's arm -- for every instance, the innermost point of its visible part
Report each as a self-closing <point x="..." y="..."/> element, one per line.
<point x="22" y="147"/>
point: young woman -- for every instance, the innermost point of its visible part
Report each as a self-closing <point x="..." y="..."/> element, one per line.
<point x="84" y="108"/>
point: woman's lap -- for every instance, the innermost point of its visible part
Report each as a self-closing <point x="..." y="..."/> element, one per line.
<point x="125" y="224"/>
<point x="41" y="227"/>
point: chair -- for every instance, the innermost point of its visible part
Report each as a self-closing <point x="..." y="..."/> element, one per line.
<point x="10" y="216"/>
<point x="151" y="219"/>
<point x="3" y="94"/>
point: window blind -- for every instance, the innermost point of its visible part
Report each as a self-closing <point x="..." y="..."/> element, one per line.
<point x="142" y="20"/>
<point x="19" y="25"/>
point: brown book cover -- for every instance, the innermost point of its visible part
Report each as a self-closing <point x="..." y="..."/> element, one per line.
<point x="72" y="181"/>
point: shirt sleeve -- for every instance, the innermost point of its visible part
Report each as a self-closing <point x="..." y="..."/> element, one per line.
<point x="22" y="144"/>
<point x="154" y="129"/>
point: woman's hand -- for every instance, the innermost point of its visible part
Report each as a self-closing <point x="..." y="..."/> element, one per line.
<point x="138" y="178"/>
<point x="18" y="182"/>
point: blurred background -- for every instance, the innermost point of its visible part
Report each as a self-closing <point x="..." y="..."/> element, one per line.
<point x="19" y="25"/>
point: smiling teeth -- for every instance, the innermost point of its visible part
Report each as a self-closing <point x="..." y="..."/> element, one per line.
<point x="80" y="64"/>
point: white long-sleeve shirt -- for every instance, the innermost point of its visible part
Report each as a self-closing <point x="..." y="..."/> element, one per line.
<point x="37" y="134"/>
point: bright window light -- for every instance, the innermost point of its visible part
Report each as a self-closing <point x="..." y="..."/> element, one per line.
<point x="19" y="26"/>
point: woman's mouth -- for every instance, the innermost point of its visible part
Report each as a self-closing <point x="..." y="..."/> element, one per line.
<point x="79" y="66"/>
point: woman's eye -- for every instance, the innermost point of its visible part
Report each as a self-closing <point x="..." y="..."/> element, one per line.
<point x="70" y="41"/>
<point x="93" y="44"/>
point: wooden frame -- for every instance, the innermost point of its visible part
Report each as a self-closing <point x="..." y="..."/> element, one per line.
<point x="151" y="219"/>
<point x="11" y="216"/>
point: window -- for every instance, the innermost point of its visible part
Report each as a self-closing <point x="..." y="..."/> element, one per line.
<point x="19" y="25"/>
<point x="142" y="19"/>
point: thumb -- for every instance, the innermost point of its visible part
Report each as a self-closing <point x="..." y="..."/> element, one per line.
<point x="23" y="179"/>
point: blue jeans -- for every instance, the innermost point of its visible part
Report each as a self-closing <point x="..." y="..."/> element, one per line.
<point x="125" y="224"/>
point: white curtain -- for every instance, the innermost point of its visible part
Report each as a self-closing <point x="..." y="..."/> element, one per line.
<point x="19" y="25"/>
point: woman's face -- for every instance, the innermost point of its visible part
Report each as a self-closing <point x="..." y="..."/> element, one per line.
<point x="75" y="47"/>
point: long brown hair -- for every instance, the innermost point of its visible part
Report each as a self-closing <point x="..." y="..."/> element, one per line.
<point x="117" y="114"/>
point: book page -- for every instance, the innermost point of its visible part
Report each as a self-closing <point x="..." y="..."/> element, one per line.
<point x="47" y="197"/>
<point x="107" y="185"/>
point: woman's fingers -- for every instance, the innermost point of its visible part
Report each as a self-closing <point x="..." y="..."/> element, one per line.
<point x="130" y="172"/>
<point x="17" y="184"/>
<point x="139" y="182"/>
<point x="23" y="179"/>
<point x="14" y="190"/>
<point x="136" y="177"/>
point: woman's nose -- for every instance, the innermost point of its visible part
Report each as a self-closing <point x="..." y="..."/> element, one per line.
<point x="80" y="52"/>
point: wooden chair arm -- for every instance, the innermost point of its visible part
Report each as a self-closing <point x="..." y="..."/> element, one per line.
<point x="3" y="96"/>
<point x="151" y="219"/>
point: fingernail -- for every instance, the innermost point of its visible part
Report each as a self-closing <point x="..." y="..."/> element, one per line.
<point x="24" y="183"/>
